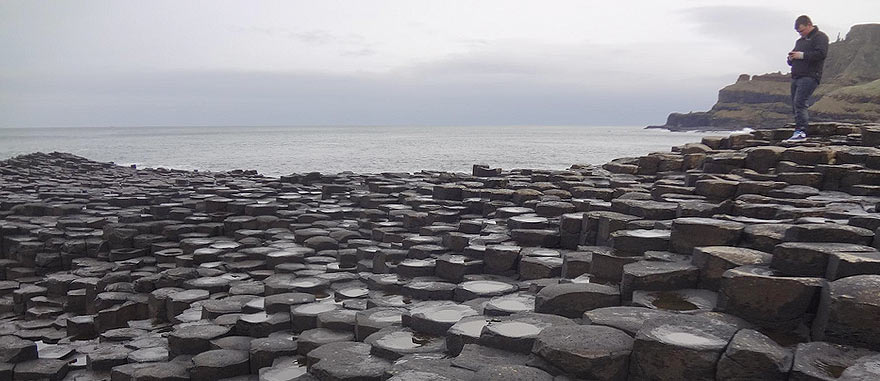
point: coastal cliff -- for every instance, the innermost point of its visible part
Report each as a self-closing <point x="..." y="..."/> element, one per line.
<point x="850" y="91"/>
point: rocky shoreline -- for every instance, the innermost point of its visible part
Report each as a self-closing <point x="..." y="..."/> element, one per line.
<point x="739" y="257"/>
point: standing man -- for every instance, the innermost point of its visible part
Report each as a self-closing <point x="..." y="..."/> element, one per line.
<point x="806" y="61"/>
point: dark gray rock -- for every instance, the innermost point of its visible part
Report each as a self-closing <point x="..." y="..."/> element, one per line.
<point x="14" y="349"/>
<point x="761" y="296"/>
<point x="690" y="232"/>
<point x="753" y="356"/>
<point x="713" y="261"/>
<point x="679" y="347"/>
<point x="843" y="313"/>
<point x="824" y="361"/>
<point x="627" y="319"/>
<point x="219" y="363"/>
<point x="573" y="299"/>
<point x="512" y="373"/>
<point x="586" y="351"/>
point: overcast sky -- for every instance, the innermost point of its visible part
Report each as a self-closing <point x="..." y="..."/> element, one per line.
<point x="359" y="62"/>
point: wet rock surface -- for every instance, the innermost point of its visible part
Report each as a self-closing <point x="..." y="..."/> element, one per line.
<point x="741" y="257"/>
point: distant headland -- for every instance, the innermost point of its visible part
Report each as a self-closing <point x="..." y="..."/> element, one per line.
<point x="850" y="91"/>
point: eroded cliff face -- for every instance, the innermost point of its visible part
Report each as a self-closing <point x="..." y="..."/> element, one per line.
<point x="850" y="91"/>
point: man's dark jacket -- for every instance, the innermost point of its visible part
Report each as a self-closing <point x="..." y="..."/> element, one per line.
<point x="815" y="48"/>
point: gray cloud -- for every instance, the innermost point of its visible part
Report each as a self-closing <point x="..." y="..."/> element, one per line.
<point x="246" y="98"/>
<point x="764" y="33"/>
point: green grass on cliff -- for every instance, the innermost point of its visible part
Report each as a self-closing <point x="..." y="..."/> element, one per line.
<point x="860" y="103"/>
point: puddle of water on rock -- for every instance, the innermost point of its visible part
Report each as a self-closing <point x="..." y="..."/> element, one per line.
<point x="486" y="286"/>
<point x="511" y="305"/>
<point x="653" y="233"/>
<point x="471" y="328"/>
<point x="675" y="336"/>
<point x="515" y="329"/>
<point x="832" y="370"/>
<point x="386" y="316"/>
<point x="316" y="308"/>
<point x="673" y="302"/>
<point x="421" y="339"/>
<point x="449" y="315"/>
<point x="255" y="318"/>
<point x="401" y="340"/>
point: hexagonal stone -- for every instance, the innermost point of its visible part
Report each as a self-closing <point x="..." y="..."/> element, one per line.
<point x="287" y="370"/>
<point x="679" y="347"/>
<point x="586" y="351"/>
<point x="690" y="232"/>
<point x="438" y="364"/>
<point x="637" y="242"/>
<point x="454" y="267"/>
<point x="154" y="354"/>
<point x="155" y="371"/>
<point x="395" y="342"/>
<point x="14" y="349"/>
<point x="842" y="313"/>
<point x="713" y="261"/>
<point x="264" y="351"/>
<point x="429" y="290"/>
<point x="549" y="238"/>
<point x="539" y="267"/>
<point x="842" y="265"/>
<point x="180" y="301"/>
<point x="512" y="373"/>
<point x="41" y="369"/>
<point x="753" y="356"/>
<point x="370" y="321"/>
<point x="684" y="300"/>
<point x="810" y="258"/>
<point x="305" y="316"/>
<point x="192" y="340"/>
<point x="510" y="304"/>
<point x="573" y="299"/>
<point x="314" y="338"/>
<point x="829" y="232"/>
<point x="517" y="332"/>
<point x="219" y="363"/>
<point x="482" y="289"/>
<point x="625" y="318"/>
<point x="475" y="357"/>
<point x="261" y="324"/>
<point x="282" y="302"/>
<point x="435" y="317"/>
<point x="465" y="331"/>
<point x="824" y="361"/>
<point x="759" y="295"/>
<point x="499" y="259"/>
<point x="657" y="276"/>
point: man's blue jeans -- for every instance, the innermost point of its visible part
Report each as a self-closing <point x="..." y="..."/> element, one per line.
<point x="801" y="89"/>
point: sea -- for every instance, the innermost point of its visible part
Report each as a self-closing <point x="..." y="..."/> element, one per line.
<point x="276" y="151"/>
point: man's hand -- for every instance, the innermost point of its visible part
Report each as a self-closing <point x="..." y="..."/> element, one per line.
<point x="795" y="55"/>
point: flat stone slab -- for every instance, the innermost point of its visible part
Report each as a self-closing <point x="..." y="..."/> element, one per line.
<point x="394" y="342"/>
<point x="752" y="355"/>
<point x="586" y="351"/>
<point x="573" y="299"/>
<point x="845" y="304"/>
<point x="625" y="318"/>
<point x="219" y="363"/>
<point x="679" y="347"/>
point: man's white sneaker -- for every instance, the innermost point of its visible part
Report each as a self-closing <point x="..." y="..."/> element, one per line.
<point x="798" y="135"/>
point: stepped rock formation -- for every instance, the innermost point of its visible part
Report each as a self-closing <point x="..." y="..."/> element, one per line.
<point x="738" y="257"/>
<point x="849" y="92"/>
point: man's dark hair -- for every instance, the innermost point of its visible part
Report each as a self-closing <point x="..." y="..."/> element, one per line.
<point x="802" y="20"/>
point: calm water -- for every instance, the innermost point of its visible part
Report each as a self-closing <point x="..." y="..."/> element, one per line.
<point x="283" y="150"/>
